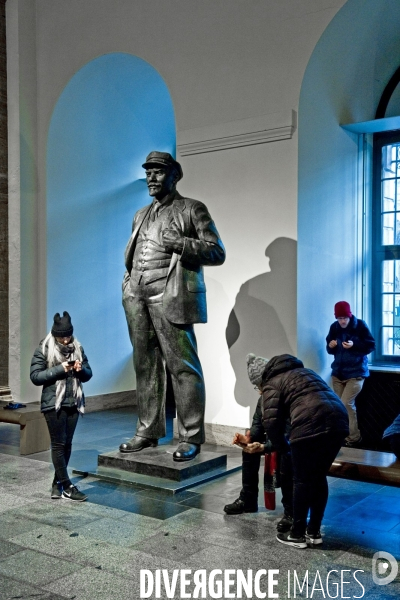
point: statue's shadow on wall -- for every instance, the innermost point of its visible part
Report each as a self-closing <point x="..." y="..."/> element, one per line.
<point x="263" y="319"/>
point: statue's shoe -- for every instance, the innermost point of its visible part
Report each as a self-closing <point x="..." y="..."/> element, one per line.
<point x="186" y="451"/>
<point x="138" y="443"/>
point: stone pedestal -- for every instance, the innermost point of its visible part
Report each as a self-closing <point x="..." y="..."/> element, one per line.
<point x="158" y="462"/>
<point x="154" y="468"/>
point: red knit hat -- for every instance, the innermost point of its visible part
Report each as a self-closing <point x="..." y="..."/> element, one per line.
<point x="342" y="309"/>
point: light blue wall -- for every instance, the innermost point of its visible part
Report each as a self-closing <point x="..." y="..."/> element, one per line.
<point x="112" y="113"/>
<point x="345" y="77"/>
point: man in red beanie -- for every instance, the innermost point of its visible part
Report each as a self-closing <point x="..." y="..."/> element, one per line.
<point x="350" y="341"/>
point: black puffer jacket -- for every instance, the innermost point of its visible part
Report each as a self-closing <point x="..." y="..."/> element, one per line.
<point x="42" y="375"/>
<point x="257" y="431"/>
<point x="293" y="392"/>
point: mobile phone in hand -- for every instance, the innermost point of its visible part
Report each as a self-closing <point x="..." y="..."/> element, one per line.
<point x="71" y="362"/>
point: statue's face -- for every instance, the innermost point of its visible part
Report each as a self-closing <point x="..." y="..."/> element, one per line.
<point x="160" y="181"/>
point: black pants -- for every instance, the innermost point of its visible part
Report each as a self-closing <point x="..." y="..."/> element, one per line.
<point x="311" y="460"/>
<point x="395" y="444"/>
<point x="250" y="470"/>
<point x="61" y="426"/>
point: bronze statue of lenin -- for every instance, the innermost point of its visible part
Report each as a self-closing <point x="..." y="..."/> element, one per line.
<point x="163" y="296"/>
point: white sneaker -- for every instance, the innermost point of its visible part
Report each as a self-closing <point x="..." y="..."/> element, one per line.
<point x="285" y="538"/>
<point x="313" y="540"/>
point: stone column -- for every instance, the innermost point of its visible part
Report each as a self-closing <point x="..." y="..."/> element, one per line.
<point x="3" y="204"/>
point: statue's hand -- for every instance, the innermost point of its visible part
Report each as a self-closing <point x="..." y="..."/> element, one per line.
<point x="173" y="240"/>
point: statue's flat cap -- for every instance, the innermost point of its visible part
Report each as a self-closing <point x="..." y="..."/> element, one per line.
<point x="163" y="159"/>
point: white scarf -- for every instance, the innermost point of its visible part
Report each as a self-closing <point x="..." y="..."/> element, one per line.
<point x="63" y="353"/>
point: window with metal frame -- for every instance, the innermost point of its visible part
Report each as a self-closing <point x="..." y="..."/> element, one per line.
<point x="386" y="246"/>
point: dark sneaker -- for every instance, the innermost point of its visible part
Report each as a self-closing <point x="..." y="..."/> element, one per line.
<point x="72" y="493"/>
<point x="313" y="540"/>
<point x="284" y="524"/>
<point x="296" y="542"/>
<point x="56" y="491"/>
<point x="238" y="507"/>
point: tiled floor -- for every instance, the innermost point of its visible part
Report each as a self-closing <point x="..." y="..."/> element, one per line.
<point x="53" y="549"/>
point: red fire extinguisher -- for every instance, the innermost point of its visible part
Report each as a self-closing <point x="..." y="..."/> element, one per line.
<point x="270" y="466"/>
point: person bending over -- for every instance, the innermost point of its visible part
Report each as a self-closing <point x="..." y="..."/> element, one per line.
<point x="254" y="444"/>
<point x="318" y="426"/>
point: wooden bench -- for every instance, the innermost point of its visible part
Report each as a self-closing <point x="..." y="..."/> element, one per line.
<point x="367" y="465"/>
<point x="34" y="435"/>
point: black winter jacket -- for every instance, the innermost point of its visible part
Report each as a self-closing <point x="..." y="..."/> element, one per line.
<point x="352" y="362"/>
<point x="293" y="392"/>
<point x="42" y="375"/>
<point x="257" y="431"/>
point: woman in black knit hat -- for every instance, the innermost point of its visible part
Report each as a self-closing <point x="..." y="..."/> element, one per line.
<point x="60" y="365"/>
